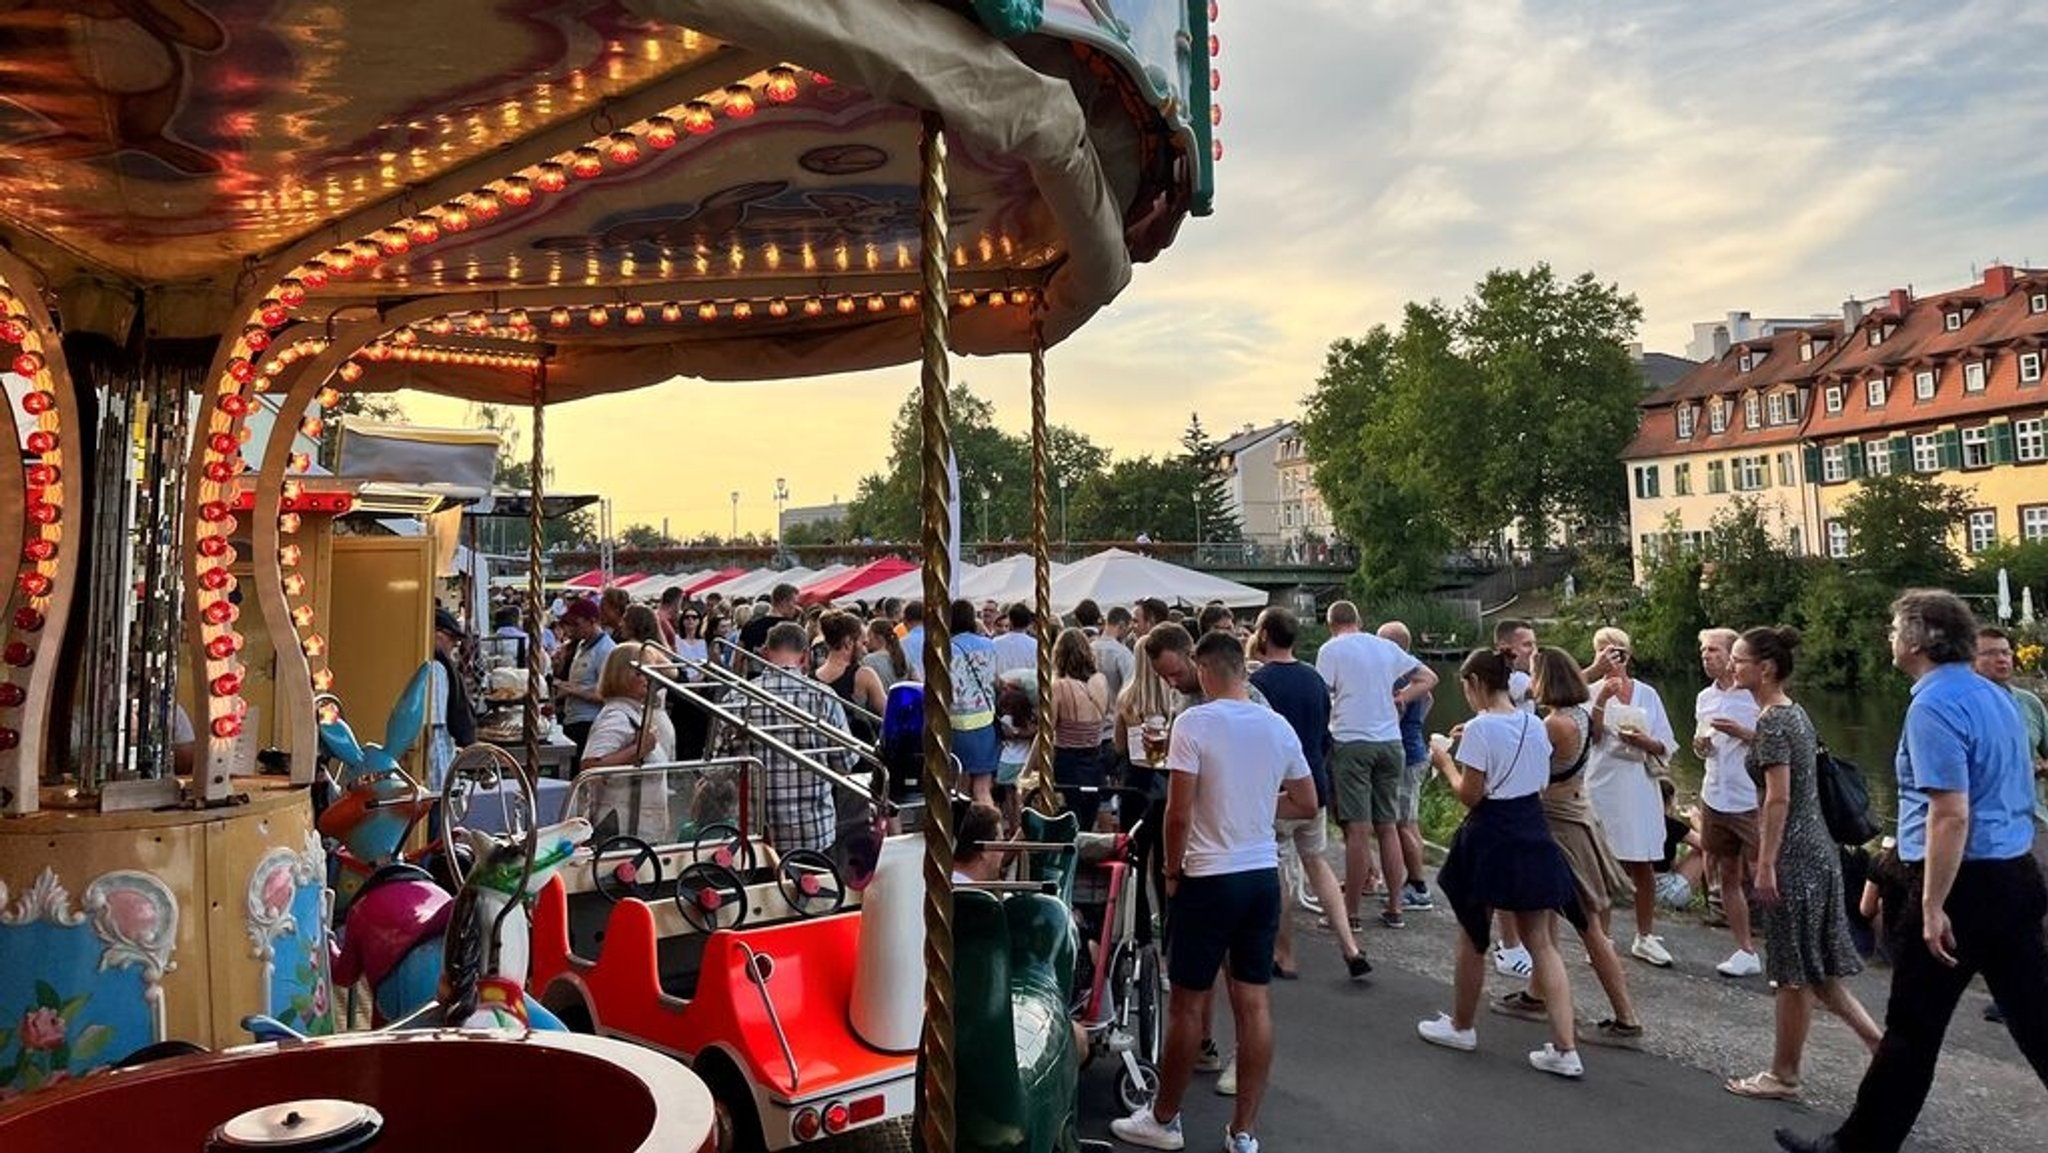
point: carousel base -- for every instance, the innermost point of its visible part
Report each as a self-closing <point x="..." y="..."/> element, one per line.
<point x="122" y="929"/>
<point x="391" y="1092"/>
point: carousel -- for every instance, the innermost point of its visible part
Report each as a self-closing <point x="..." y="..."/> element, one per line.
<point x="219" y="221"/>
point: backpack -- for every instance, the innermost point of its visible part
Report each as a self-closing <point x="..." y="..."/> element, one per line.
<point x="1844" y="799"/>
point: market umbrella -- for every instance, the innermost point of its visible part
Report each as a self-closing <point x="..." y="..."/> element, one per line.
<point x="855" y="580"/>
<point x="2027" y="605"/>
<point x="1012" y="580"/>
<point x="1117" y="577"/>
<point x="2004" y="596"/>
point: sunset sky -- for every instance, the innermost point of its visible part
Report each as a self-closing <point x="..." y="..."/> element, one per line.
<point x="1706" y="156"/>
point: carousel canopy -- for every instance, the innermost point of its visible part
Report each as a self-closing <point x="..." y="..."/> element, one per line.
<point x="622" y="190"/>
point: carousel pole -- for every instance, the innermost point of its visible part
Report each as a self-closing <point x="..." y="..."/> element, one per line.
<point x="536" y="589"/>
<point x="1044" y="795"/>
<point x="937" y="1120"/>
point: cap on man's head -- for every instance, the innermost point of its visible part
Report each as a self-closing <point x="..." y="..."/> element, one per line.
<point x="581" y="609"/>
<point x="447" y="622"/>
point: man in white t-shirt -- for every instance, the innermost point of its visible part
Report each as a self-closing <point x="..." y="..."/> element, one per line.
<point x="1730" y="829"/>
<point x="1516" y="640"/>
<point x="1227" y="762"/>
<point x="1367" y="759"/>
<point x="1017" y="650"/>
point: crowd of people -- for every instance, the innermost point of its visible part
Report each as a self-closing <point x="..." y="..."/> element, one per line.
<point x="1250" y="754"/>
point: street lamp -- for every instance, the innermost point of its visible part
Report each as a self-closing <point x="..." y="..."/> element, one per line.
<point x="984" y="514"/>
<point x="781" y="499"/>
<point x="735" y="517"/>
<point x="1063" y="509"/>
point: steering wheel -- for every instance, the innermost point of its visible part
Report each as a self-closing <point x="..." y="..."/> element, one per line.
<point x="810" y="883"/>
<point x="730" y="848"/>
<point x="616" y="880"/>
<point x="711" y="897"/>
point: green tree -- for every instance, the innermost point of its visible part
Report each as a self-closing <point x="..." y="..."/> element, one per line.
<point x="514" y="472"/>
<point x="1902" y="530"/>
<point x="815" y="532"/>
<point x="1144" y="495"/>
<point x="1843" y="617"/>
<point x="2025" y="564"/>
<point x="1209" y="494"/>
<point x="1751" y="576"/>
<point x="644" y="536"/>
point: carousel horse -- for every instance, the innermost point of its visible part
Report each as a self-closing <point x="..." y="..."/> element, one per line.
<point x="379" y="802"/>
<point x="418" y="947"/>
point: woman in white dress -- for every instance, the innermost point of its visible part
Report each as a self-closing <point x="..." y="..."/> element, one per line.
<point x="1631" y="737"/>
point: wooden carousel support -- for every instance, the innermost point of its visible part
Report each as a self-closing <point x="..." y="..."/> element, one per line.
<point x="938" y="1119"/>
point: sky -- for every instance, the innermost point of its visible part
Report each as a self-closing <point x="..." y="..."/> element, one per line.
<point x="1708" y="157"/>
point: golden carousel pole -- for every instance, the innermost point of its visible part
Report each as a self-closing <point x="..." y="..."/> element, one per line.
<point x="937" y="1121"/>
<point x="536" y="588"/>
<point x="1044" y="795"/>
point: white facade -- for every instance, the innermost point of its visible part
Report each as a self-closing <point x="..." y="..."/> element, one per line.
<point x="1250" y="463"/>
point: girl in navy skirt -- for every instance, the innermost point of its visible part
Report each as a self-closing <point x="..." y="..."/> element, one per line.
<point x="1502" y="858"/>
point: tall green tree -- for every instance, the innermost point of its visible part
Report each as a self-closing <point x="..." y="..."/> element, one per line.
<point x="1751" y="576"/>
<point x="1902" y="530"/>
<point x="1143" y="495"/>
<point x="643" y="536"/>
<point x="1209" y="493"/>
<point x="514" y="471"/>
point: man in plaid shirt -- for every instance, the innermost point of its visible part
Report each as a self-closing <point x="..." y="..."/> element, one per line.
<point x="798" y="802"/>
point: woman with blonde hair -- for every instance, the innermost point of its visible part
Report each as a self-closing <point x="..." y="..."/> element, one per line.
<point x="1631" y="736"/>
<point x="627" y="732"/>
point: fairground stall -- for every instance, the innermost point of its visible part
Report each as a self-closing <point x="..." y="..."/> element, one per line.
<point x="219" y="220"/>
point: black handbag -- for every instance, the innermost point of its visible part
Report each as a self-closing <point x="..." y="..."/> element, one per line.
<point x="1844" y="799"/>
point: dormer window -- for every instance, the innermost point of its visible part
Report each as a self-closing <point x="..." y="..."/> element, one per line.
<point x="1717" y="416"/>
<point x="2038" y="303"/>
<point x="1876" y="335"/>
<point x="1923" y="384"/>
<point x="1973" y="376"/>
<point x="1775" y="404"/>
<point x="1745" y="362"/>
<point x="1952" y="320"/>
<point x="1752" y="411"/>
<point x="1687" y="416"/>
<point x="1876" y="389"/>
<point x="1834" y="399"/>
<point x="1805" y="351"/>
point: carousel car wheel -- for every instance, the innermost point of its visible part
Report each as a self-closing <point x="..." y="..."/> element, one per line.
<point x="711" y="897"/>
<point x="616" y="876"/>
<point x="738" y="1127"/>
<point x="810" y="882"/>
<point x="729" y="848"/>
<point x="1137" y="1092"/>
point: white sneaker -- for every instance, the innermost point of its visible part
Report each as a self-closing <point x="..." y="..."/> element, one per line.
<point x="1650" y="947"/>
<point x="1740" y="963"/>
<point x="1239" y="1142"/>
<point x="1142" y="1128"/>
<point x="1210" y="1059"/>
<point x="1565" y="1064"/>
<point x="1441" y="1031"/>
<point x="1514" y="962"/>
<point x="1226" y="1081"/>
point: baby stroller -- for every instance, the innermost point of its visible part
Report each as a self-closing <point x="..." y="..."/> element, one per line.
<point x="1119" y="974"/>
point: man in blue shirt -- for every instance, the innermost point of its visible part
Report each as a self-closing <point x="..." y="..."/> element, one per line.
<point x="1966" y="801"/>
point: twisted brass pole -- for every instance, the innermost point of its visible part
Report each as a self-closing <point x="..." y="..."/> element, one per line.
<point x="1043" y="794"/>
<point x="938" y="1119"/>
<point x="536" y="589"/>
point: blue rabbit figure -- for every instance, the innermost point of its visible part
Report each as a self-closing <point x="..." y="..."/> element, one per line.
<point x="378" y="801"/>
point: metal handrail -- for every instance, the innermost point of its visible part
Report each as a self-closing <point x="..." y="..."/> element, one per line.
<point x="765" y="663"/>
<point x="712" y="673"/>
<point x="580" y="788"/>
<point x="803" y="759"/>
<point x="760" y="981"/>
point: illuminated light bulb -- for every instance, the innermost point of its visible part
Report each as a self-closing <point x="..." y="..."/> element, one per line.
<point x="379" y="352"/>
<point x="1215" y="116"/>
<point x="707" y="311"/>
<point x="1215" y="46"/>
<point x="314" y="644"/>
<point x="256" y="337"/>
<point x="227" y="728"/>
<point x="11" y="696"/>
<point x="41" y="442"/>
<point x="484" y="206"/>
<point x="13" y="329"/>
<point x="241" y="370"/>
<point x="742" y="310"/>
<point x="38" y="402"/>
<point x="441" y="325"/>
<point x="288" y="556"/>
<point x="907" y="302"/>
<point x="214" y="546"/>
<point x="965" y="300"/>
<point x="698" y="118"/>
<point x="28" y="364"/>
<point x="292" y="491"/>
<point x="551" y="177"/>
<point x="9" y="739"/>
<point x="274" y="314"/>
<point x="394" y="242"/>
<point x="28" y="620"/>
<point x="34" y="584"/>
<point x="313" y="426"/>
<point x="635" y="314"/>
<point x="781" y="85"/>
<point x="558" y="317"/>
<point x="224" y="646"/>
<point x="350" y="371"/>
<point x="623" y="147"/>
<point x="813" y="306"/>
<point x="586" y="162"/>
<point x="291" y="293"/>
<point x="39" y="550"/>
<point x="235" y="404"/>
<point x="1020" y="296"/>
<point x="216" y="579"/>
<point x="300" y="462"/>
<point x="739" y="101"/>
<point x="423" y="230"/>
<point x="288" y="523"/>
<point x="845" y="304"/>
<point x="661" y="133"/>
<point x="996" y="299"/>
<point x="368" y="254"/>
<point x="323" y="680"/>
<point x="598" y="317"/>
<point x="43" y="512"/>
<point x="478" y="321"/>
<point x="671" y="312"/>
<point x="778" y="307"/>
<point x="219" y="612"/>
<point x="226" y="685"/>
<point x="517" y="192"/>
<point x="1215" y="80"/>
<point x="220" y="471"/>
<point x="406" y="337"/>
<point x="1216" y="150"/>
<point x="294" y="583"/>
<point x="340" y="260"/>
<point x="18" y="653"/>
<point x="330" y="396"/>
<point x="303" y="616"/>
<point x="454" y="217"/>
<point x="213" y="511"/>
<point x="1214" y="11"/>
<point x="519" y="318"/>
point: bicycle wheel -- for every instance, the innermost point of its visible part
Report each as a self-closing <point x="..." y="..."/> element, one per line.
<point x="1149" y="1020"/>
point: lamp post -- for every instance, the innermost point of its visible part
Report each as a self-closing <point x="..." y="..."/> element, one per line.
<point x="735" y="517"/>
<point x="984" y="514"/>
<point x="1063" y="509"/>
<point x="781" y="499"/>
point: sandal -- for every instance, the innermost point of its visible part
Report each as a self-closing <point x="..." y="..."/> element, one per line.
<point x="1614" y="1035"/>
<point x="1764" y="1086"/>
<point x="1520" y="1004"/>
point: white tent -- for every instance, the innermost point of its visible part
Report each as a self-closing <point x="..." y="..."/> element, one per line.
<point x="1117" y="577"/>
<point x="652" y="588"/>
<point x="909" y="586"/>
<point x="743" y="586"/>
<point x="1012" y="580"/>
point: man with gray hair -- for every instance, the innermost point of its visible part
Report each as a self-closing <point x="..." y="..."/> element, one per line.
<point x="1408" y="801"/>
<point x="1730" y="828"/>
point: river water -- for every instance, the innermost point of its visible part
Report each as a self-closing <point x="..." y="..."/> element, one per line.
<point x="1863" y="729"/>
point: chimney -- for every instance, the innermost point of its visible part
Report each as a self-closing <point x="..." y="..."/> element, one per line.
<point x="1852" y="315"/>
<point x="1900" y="299"/>
<point x="1720" y="341"/>
<point x="1997" y="281"/>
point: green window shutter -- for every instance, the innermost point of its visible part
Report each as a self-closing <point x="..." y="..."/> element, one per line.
<point x="1852" y="456"/>
<point x="2001" y="442"/>
<point x="1812" y="464"/>
<point x="1902" y="454"/>
<point x="1950" y="448"/>
<point x="1763" y="464"/>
